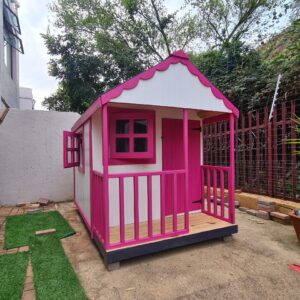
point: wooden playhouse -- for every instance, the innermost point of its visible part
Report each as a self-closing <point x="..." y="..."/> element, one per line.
<point x="140" y="183"/>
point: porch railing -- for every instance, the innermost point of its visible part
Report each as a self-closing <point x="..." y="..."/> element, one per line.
<point x="217" y="200"/>
<point x="97" y="211"/>
<point x="100" y="216"/>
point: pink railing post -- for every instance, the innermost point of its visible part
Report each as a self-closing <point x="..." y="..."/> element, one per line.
<point x="175" y="202"/>
<point x="186" y="164"/>
<point x="231" y="184"/>
<point x="215" y="191"/>
<point x="222" y="192"/>
<point x="149" y="190"/>
<point x="162" y="204"/>
<point x="202" y="187"/>
<point x="121" y="204"/>
<point x="208" y="190"/>
<point x="201" y="164"/>
<point x="105" y="174"/>
<point x="136" y="208"/>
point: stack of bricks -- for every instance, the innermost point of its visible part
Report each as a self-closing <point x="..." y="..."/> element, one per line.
<point x="265" y="208"/>
<point x="280" y="218"/>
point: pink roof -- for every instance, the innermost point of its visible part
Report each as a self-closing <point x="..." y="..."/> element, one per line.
<point x="176" y="57"/>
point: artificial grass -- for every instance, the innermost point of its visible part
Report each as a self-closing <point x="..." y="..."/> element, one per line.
<point x="20" y="228"/>
<point x="53" y="275"/>
<point x="13" y="269"/>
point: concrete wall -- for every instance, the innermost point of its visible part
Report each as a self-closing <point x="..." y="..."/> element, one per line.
<point x="26" y="98"/>
<point x="31" y="156"/>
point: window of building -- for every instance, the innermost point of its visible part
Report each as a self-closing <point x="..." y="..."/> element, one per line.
<point x="132" y="135"/>
<point x="8" y="58"/>
<point x="71" y="149"/>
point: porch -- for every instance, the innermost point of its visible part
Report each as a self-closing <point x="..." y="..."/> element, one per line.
<point x="214" y="220"/>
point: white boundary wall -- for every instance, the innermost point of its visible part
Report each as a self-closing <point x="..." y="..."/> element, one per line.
<point x="31" y="156"/>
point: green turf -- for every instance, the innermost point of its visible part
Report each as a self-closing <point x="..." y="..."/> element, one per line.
<point x="20" y="228"/>
<point x="53" y="275"/>
<point x="13" y="269"/>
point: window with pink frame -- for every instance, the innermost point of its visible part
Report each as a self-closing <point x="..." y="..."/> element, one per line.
<point x="74" y="149"/>
<point x="71" y="149"/>
<point x="132" y="135"/>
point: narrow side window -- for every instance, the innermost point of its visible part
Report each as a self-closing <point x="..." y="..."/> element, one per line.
<point x="71" y="149"/>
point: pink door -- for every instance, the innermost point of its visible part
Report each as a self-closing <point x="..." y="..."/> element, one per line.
<point x="172" y="159"/>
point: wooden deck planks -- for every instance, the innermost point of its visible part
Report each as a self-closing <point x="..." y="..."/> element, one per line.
<point x="199" y="222"/>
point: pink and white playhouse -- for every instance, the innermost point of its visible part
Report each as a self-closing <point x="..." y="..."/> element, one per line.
<point x="140" y="182"/>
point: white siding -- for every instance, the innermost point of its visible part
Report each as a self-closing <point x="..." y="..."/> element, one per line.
<point x="174" y="87"/>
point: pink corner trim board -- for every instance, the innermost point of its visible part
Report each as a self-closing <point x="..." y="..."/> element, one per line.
<point x="177" y="57"/>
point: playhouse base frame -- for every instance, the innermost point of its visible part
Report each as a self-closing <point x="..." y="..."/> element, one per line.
<point x="112" y="258"/>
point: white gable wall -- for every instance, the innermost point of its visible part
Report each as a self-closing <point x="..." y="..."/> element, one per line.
<point x="174" y="87"/>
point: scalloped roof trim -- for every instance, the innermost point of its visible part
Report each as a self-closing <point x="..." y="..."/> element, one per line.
<point x="177" y="57"/>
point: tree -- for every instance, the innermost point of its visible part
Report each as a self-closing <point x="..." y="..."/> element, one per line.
<point x="227" y="21"/>
<point x="238" y="71"/>
<point x="98" y="44"/>
<point x="247" y="76"/>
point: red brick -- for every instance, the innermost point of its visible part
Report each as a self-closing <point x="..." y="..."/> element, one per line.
<point x="268" y="208"/>
<point x="24" y="249"/>
<point x="263" y="215"/>
<point x="29" y="295"/>
<point x="28" y="286"/>
<point x="5" y="211"/>
<point x="280" y="215"/>
<point x="251" y="212"/>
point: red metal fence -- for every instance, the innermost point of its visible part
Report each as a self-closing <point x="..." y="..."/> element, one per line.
<point x="265" y="163"/>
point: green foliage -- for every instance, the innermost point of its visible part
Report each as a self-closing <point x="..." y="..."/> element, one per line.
<point x="99" y="44"/>
<point x="12" y="275"/>
<point x="248" y="76"/>
<point x="296" y="141"/>
<point x="282" y="52"/>
<point x="235" y="70"/>
<point x="226" y="21"/>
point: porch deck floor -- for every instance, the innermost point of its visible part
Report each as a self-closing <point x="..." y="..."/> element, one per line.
<point x="199" y="222"/>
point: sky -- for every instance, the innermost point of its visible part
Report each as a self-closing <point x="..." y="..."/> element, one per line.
<point x="34" y="19"/>
<point x="34" y="16"/>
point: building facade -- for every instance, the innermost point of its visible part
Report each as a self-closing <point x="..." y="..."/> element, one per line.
<point x="10" y="47"/>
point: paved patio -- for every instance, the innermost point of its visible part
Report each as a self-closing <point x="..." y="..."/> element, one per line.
<point x="252" y="266"/>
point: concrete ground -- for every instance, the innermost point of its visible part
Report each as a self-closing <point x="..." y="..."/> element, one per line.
<point x="253" y="266"/>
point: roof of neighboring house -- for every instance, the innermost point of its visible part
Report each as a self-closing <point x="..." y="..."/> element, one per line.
<point x="121" y="93"/>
